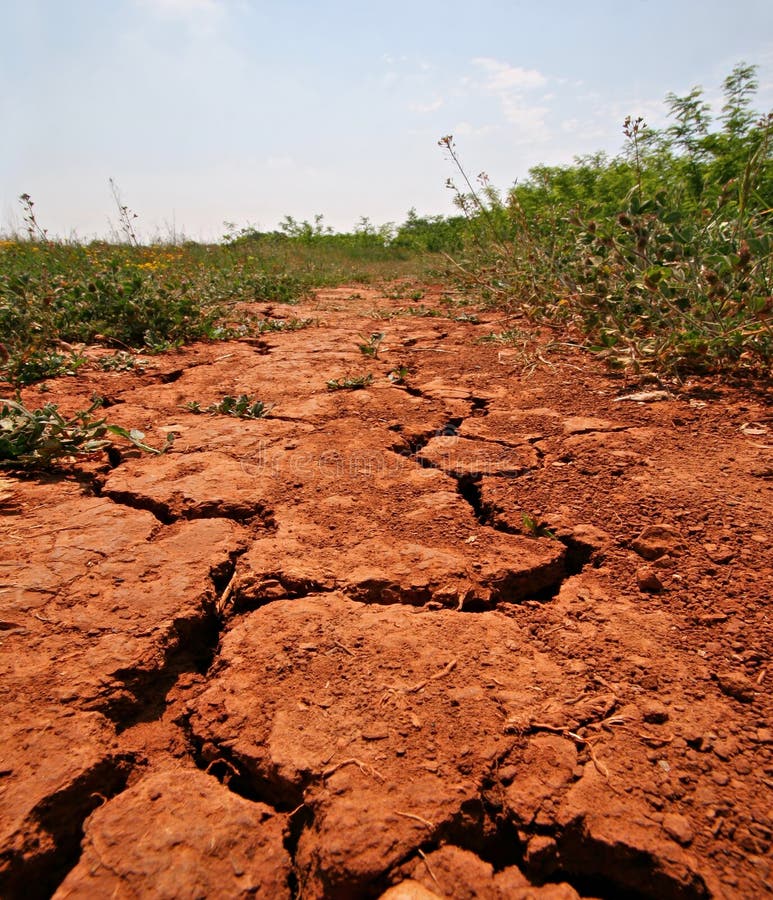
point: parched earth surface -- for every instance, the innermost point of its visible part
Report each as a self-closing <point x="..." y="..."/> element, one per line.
<point x="496" y="625"/>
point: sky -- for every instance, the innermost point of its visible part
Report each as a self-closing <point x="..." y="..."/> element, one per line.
<point x="244" y="111"/>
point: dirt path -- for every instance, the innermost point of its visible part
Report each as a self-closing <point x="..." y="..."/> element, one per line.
<point x="490" y="629"/>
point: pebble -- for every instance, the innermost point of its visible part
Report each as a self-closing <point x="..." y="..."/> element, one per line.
<point x="657" y="540"/>
<point x="647" y="581"/>
<point x="725" y="749"/>
<point x="735" y="685"/>
<point x="375" y="733"/>
<point x="654" y="712"/>
<point x="679" y="828"/>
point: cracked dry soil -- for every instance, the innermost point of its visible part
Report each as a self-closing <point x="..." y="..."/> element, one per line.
<point x="491" y="632"/>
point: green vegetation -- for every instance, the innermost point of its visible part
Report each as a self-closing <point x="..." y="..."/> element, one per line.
<point x="156" y="297"/>
<point x="371" y="346"/>
<point x="660" y="258"/>
<point x="41" y="436"/>
<point x="121" y="362"/>
<point x="240" y="407"/>
<point x="350" y="383"/>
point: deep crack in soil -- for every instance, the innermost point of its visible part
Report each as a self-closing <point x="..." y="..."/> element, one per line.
<point x="480" y="633"/>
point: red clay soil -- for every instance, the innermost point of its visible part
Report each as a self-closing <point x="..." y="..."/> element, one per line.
<point x="497" y="626"/>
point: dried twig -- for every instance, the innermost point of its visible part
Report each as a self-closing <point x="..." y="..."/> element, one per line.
<point x="416" y="818"/>
<point x="429" y="869"/>
<point x="447" y="670"/>
<point x="363" y="767"/>
<point x="225" y="596"/>
<point x="654" y="740"/>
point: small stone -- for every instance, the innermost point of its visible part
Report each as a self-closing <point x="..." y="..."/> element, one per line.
<point x="725" y="749"/>
<point x="589" y="537"/>
<point x="647" y="581"/>
<point x="712" y="618"/>
<point x="678" y="828"/>
<point x="375" y="733"/>
<point x="735" y="685"/>
<point x="507" y="774"/>
<point x="657" y="540"/>
<point x="719" y="555"/>
<point x="654" y="712"/>
<point x="765" y="735"/>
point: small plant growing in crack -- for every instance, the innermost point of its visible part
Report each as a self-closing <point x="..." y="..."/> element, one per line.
<point x="371" y="346"/>
<point x="398" y="375"/>
<point x="350" y="383"/>
<point x="532" y="527"/>
<point x="121" y="362"/>
<point x="424" y="312"/>
<point x="40" y="436"/>
<point x="241" y="407"/>
<point x="384" y="314"/>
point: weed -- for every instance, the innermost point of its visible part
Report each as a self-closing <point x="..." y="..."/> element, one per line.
<point x="125" y="215"/>
<point x="531" y="526"/>
<point x="267" y="325"/>
<point x="39" y="437"/>
<point x="249" y="326"/>
<point x="662" y="258"/>
<point x="423" y="312"/>
<point x="27" y="369"/>
<point x="384" y="314"/>
<point x="511" y="336"/>
<point x="240" y="407"/>
<point x="371" y="347"/>
<point x="121" y="362"/>
<point x="34" y="230"/>
<point x="398" y="375"/>
<point x="349" y="383"/>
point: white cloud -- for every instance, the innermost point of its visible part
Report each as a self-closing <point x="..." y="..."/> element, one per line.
<point x="200" y="16"/>
<point x="429" y="107"/>
<point x="183" y="8"/>
<point x="511" y="86"/>
<point x="504" y="77"/>
<point x="467" y="129"/>
<point x="529" y="120"/>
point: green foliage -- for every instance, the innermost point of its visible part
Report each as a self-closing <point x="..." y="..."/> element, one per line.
<point x="371" y="346"/>
<point x="662" y="257"/>
<point x="350" y="383"/>
<point x="23" y="370"/>
<point x="240" y="407"/>
<point x="158" y="297"/>
<point x="398" y="375"/>
<point x="431" y="234"/>
<point x="121" y="362"/>
<point x="39" y="437"/>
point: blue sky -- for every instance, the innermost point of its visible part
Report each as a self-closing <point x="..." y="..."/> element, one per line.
<point x="205" y="111"/>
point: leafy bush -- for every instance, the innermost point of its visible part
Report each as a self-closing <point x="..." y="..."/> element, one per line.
<point x="661" y="257"/>
<point x="41" y="436"/>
